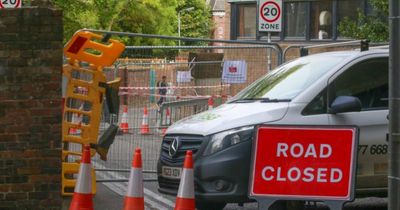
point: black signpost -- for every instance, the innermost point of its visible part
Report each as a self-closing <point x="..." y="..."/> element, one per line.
<point x="394" y="106"/>
<point x="268" y="19"/>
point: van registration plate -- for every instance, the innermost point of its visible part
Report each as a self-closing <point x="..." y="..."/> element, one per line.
<point x="171" y="172"/>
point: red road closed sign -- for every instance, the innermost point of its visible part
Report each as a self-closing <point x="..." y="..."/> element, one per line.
<point x="304" y="163"/>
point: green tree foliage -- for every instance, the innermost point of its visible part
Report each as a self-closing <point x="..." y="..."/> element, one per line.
<point x="137" y="16"/>
<point x="197" y="22"/>
<point x="374" y="27"/>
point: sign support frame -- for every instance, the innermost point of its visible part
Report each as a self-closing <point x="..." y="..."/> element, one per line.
<point x="265" y="202"/>
<point x="269" y="53"/>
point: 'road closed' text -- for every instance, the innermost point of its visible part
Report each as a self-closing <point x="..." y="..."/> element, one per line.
<point x="305" y="174"/>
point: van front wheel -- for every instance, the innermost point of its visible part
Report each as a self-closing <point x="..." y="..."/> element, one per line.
<point x="203" y="205"/>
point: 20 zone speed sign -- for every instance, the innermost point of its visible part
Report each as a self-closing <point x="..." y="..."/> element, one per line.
<point x="270" y="16"/>
<point x="10" y="4"/>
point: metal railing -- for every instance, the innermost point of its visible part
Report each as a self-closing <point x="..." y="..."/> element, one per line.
<point x="139" y="73"/>
<point x="363" y="45"/>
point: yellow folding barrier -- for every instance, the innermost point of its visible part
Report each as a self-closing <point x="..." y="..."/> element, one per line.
<point x="85" y="93"/>
<point x="92" y="99"/>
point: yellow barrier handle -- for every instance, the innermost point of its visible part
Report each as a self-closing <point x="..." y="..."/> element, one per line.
<point x="82" y="47"/>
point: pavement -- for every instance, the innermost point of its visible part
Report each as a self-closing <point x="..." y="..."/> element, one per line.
<point x="105" y="199"/>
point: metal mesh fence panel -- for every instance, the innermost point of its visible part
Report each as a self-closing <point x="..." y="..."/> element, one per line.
<point x="198" y="79"/>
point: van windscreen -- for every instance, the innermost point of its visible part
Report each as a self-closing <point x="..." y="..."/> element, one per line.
<point x="290" y="79"/>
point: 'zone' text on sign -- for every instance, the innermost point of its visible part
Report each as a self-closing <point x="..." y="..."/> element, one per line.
<point x="268" y="26"/>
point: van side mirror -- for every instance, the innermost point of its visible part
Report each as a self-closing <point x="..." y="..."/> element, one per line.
<point x="343" y="104"/>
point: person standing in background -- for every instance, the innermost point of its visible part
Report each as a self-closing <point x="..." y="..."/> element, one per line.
<point x="162" y="85"/>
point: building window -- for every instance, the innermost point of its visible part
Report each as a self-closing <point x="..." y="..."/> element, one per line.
<point x="302" y="19"/>
<point x="246" y="20"/>
<point x="349" y="8"/>
<point x="321" y="20"/>
<point x="295" y="19"/>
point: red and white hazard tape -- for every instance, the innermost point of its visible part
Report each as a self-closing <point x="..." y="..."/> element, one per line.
<point x="174" y="96"/>
<point x="175" y="87"/>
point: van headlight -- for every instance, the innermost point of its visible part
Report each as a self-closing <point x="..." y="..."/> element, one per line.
<point x="225" y="139"/>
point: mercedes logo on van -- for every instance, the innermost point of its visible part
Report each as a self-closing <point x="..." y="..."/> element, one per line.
<point x="173" y="147"/>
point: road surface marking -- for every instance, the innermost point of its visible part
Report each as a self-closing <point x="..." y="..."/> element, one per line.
<point x="120" y="189"/>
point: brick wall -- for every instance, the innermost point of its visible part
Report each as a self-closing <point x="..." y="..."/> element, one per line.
<point x="30" y="108"/>
<point x="219" y="29"/>
<point x="227" y="22"/>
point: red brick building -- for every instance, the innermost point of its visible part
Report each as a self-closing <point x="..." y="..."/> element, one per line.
<point x="302" y="20"/>
<point x="218" y="16"/>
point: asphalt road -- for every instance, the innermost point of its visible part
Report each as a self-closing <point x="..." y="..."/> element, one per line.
<point x="108" y="198"/>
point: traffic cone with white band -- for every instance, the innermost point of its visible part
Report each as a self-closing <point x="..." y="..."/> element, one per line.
<point x="144" y="129"/>
<point x="185" y="197"/>
<point x="83" y="197"/>
<point x="134" y="199"/>
<point x="124" y="126"/>
<point x="210" y="103"/>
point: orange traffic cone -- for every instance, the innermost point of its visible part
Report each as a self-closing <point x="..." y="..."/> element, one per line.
<point x="167" y="121"/>
<point x="144" y="129"/>
<point x="124" y="126"/>
<point x="134" y="199"/>
<point x="210" y="103"/>
<point x="83" y="197"/>
<point x="185" y="197"/>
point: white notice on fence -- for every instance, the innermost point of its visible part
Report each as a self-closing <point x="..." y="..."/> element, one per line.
<point x="234" y="72"/>
<point x="183" y="76"/>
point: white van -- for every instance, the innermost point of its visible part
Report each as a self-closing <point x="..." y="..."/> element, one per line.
<point x="335" y="88"/>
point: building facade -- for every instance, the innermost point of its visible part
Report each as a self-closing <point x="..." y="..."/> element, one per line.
<point x="302" y="20"/>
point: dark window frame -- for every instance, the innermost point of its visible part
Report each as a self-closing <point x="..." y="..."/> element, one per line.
<point x="332" y="86"/>
<point x="234" y="33"/>
<point x="327" y="95"/>
<point x="235" y="18"/>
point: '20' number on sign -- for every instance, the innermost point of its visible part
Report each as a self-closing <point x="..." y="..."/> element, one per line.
<point x="12" y="2"/>
<point x="270" y="11"/>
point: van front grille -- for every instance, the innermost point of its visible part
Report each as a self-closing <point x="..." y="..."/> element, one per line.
<point x="186" y="142"/>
